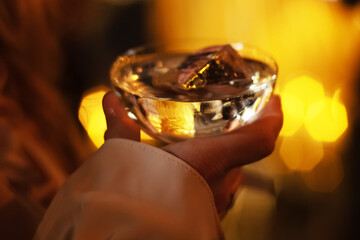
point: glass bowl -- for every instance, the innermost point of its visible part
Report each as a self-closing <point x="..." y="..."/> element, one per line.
<point x="146" y="80"/>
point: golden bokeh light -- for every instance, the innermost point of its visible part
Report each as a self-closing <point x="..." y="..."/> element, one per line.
<point x="310" y="118"/>
<point x="326" y="120"/>
<point x="291" y="124"/>
<point x="326" y="176"/>
<point x="304" y="102"/>
<point x="300" y="93"/>
<point x="300" y="152"/>
<point x="91" y="115"/>
<point x="297" y="96"/>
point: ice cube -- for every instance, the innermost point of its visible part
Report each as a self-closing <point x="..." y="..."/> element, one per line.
<point x="212" y="65"/>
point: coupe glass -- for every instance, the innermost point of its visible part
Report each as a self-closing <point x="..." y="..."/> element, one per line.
<point x="145" y="80"/>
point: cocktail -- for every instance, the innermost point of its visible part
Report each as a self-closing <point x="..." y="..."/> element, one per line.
<point x="175" y="95"/>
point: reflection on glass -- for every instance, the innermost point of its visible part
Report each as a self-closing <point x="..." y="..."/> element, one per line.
<point x="179" y="95"/>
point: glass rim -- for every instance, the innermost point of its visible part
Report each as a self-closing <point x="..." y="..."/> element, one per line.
<point x="153" y="48"/>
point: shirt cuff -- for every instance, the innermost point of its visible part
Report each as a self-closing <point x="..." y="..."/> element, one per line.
<point x="130" y="190"/>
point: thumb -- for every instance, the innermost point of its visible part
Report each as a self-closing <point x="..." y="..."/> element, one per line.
<point x="119" y="125"/>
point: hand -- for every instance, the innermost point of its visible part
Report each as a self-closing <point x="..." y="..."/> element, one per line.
<point x="216" y="158"/>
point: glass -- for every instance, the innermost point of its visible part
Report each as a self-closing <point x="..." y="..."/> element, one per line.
<point x="146" y="81"/>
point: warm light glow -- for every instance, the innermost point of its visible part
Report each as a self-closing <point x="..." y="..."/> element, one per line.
<point x="172" y="118"/>
<point x="300" y="152"/>
<point x="326" y="120"/>
<point x="356" y="18"/>
<point x="306" y="38"/>
<point x="134" y="77"/>
<point x="326" y="176"/>
<point x="145" y="138"/>
<point x="291" y="124"/>
<point x="304" y="102"/>
<point x="297" y="96"/>
<point x="300" y="93"/>
<point x="91" y="115"/>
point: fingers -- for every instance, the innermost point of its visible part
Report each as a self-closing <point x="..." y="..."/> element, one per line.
<point x="273" y="109"/>
<point x="255" y="140"/>
<point x="224" y="190"/>
<point x="271" y="119"/>
<point x="215" y="156"/>
<point x="119" y="125"/>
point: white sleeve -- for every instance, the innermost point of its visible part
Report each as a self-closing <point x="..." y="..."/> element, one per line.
<point x="129" y="190"/>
